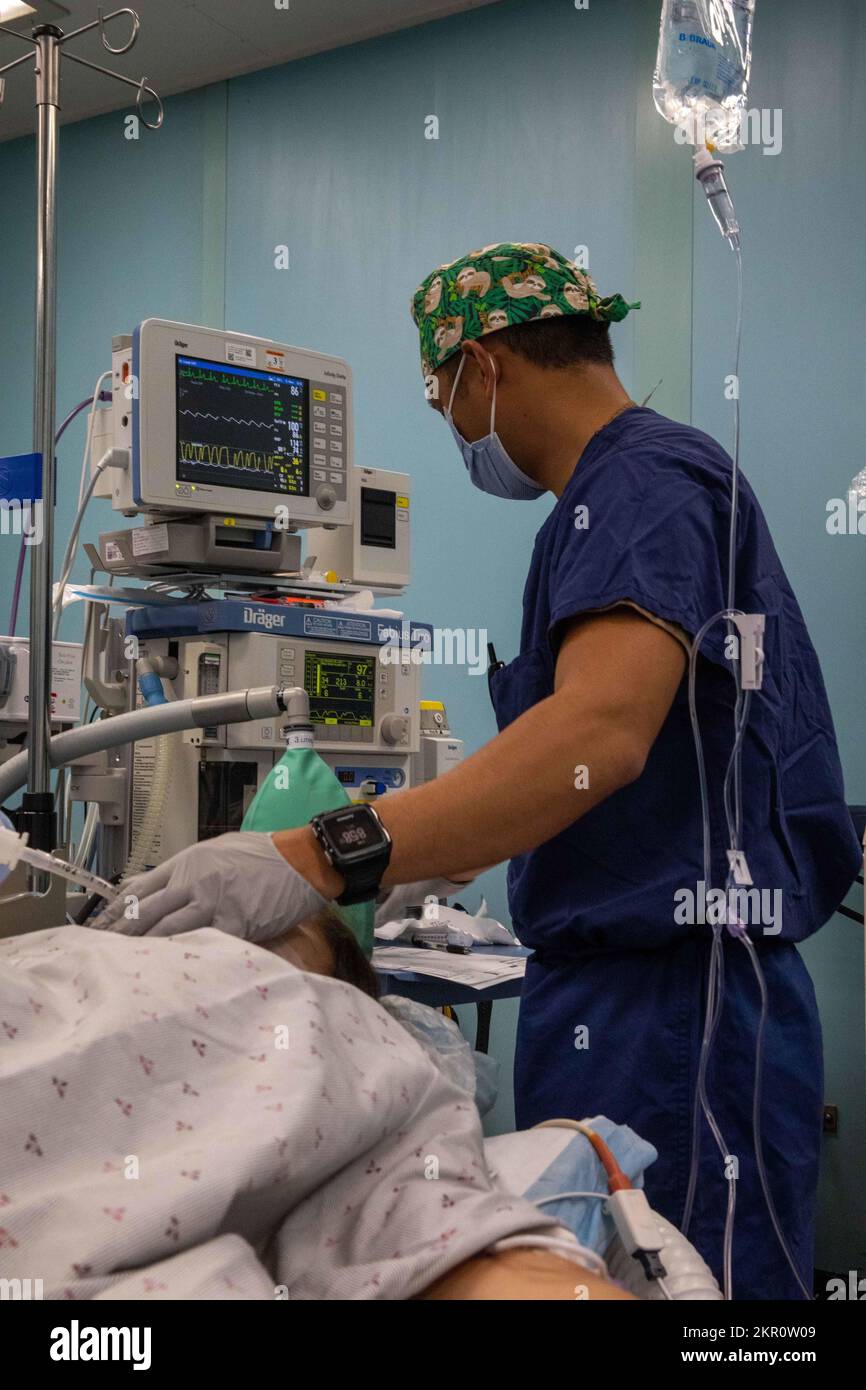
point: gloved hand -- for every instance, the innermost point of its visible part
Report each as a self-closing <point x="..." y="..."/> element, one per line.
<point x="238" y="883"/>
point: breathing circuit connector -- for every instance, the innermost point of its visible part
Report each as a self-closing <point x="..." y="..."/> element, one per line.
<point x="14" y="847"/>
<point x="710" y="174"/>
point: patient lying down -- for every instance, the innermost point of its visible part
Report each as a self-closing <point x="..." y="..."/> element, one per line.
<point x="324" y="945"/>
<point x="186" y="1117"/>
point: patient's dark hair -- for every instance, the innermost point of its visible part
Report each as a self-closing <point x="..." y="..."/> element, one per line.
<point x="350" y="963"/>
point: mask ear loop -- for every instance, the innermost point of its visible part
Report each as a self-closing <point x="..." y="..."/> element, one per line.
<point x="448" y="415"/>
<point x="492" y="361"/>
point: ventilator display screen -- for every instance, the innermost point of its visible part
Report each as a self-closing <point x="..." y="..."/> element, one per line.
<point x="341" y="688"/>
<point x="240" y="427"/>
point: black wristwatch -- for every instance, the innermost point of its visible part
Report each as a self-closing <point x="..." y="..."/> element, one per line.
<point x="358" y="846"/>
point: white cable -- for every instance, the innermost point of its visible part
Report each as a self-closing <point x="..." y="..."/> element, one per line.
<point x="72" y="543"/>
<point x="89" y="436"/>
<point x="562" y="1196"/>
<point x="565" y="1245"/>
<point x="562" y="1123"/>
<point x="82" y="484"/>
<point x="62" y="783"/>
<point x="85" y="844"/>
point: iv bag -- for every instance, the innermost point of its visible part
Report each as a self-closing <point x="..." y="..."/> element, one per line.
<point x="701" y="79"/>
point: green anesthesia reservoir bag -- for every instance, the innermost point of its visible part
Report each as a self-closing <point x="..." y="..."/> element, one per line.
<point x="297" y="788"/>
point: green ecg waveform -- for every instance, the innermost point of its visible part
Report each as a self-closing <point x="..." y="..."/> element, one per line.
<point x="224" y="379"/>
<point x="224" y="456"/>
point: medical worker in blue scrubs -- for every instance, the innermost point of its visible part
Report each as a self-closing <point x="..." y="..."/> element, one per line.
<point x="627" y="567"/>
<point x="591" y="787"/>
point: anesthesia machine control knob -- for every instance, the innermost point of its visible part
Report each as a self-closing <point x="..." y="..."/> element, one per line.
<point x="326" y="497"/>
<point x="395" y="728"/>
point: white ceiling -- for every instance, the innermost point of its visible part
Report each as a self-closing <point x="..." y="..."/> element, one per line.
<point x="188" y="43"/>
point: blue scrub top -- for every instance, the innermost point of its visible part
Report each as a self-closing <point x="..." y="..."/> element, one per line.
<point x="658" y="499"/>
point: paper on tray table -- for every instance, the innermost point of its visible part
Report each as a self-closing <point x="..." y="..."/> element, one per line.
<point x="475" y="971"/>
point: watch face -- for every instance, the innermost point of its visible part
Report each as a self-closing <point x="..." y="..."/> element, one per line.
<point x="354" y="831"/>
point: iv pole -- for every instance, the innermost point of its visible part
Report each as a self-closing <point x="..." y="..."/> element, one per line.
<point x="37" y="816"/>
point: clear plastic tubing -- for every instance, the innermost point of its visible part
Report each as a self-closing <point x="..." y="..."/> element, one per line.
<point x="38" y="859"/>
<point x="13" y="849"/>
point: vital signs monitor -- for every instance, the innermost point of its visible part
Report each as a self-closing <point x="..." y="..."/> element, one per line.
<point x="217" y="422"/>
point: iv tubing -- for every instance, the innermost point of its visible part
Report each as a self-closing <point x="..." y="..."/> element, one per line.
<point x="733" y="817"/>
<point x="756" y="1115"/>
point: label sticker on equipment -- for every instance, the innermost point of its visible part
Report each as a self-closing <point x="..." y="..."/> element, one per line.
<point x="244" y="353"/>
<point x="113" y="553"/>
<point x="277" y="360"/>
<point x="147" y="540"/>
<point x="317" y="625"/>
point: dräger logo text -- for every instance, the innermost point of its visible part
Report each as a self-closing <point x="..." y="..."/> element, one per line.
<point x="266" y="620"/>
<point x="77" y="1343"/>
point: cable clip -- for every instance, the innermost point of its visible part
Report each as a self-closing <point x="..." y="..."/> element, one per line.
<point x="739" y="868"/>
<point x="751" y="630"/>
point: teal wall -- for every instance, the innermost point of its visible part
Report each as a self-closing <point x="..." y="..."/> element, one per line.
<point x="547" y="132"/>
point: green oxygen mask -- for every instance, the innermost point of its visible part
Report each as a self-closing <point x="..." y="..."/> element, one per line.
<point x="299" y="787"/>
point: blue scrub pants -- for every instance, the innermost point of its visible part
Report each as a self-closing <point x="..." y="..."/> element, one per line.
<point x="642" y="1012"/>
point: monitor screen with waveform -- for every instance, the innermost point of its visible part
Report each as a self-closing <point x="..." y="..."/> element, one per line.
<point x="239" y="427"/>
<point x="341" y="688"/>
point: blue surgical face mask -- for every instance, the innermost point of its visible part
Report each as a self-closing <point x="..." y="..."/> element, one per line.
<point x="489" y="466"/>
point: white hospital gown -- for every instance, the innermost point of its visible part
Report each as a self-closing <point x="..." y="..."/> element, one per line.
<point x="194" y="1117"/>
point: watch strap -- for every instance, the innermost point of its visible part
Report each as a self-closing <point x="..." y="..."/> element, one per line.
<point x="362" y="878"/>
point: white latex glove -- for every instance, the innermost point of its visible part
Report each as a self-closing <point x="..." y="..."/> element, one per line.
<point x="238" y="883"/>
